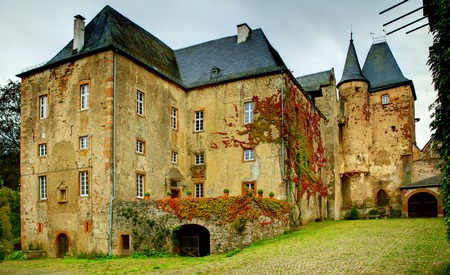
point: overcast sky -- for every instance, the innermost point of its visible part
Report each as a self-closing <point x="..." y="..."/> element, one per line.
<point x="310" y="36"/>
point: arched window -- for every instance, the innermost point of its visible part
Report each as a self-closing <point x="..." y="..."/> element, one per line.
<point x="381" y="198"/>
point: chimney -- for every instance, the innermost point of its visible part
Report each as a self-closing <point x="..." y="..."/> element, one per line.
<point x="243" y="33"/>
<point x="78" y="33"/>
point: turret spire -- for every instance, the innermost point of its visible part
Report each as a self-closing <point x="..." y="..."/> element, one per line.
<point x="352" y="70"/>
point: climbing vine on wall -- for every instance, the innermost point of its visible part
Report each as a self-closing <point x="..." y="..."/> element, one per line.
<point x="284" y="117"/>
<point x="227" y="209"/>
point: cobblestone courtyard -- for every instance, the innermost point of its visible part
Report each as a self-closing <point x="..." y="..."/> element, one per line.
<point x="385" y="246"/>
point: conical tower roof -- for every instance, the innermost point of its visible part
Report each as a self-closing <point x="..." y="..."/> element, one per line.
<point x="352" y="70"/>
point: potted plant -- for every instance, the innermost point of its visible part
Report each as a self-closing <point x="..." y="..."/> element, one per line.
<point x="271" y="195"/>
<point x="169" y="194"/>
<point x="189" y="193"/>
<point x="226" y="192"/>
<point x="260" y="193"/>
<point x="147" y="196"/>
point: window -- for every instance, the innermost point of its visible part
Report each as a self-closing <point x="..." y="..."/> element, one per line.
<point x="199" y="159"/>
<point x="140" y="103"/>
<point x="249" y="185"/>
<point x="84" y="97"/>
<point x="384" y="99"/>
<point x="174" y="157"/>
<point x="248" y="112"/>
<point x="249" y="154"/>
<point x="40" y="227"/>
<point x="199" y="190"/>
<point x="84" y="183"/>
<point x="87" y="226"/>
<point x="83" y="143"/>
<point x="124" y="243"/>
<point x="43" y="106"/>
<point x="42" y="187"/>
<point x="174" y="118"/>
<point x="140" y="185"/>
<point x="42" y="149"/>
<point x="140" y="147"/>
<point x="198" y="121"/>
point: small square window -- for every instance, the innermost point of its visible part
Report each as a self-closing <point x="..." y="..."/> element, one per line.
<point x="250" y="185"/>
<point x="83" y="143"/>
<point x="199" y="159"/>
<point x="174" y="157"/>
<point x="140" y="147"/>
<point x="384" y="99"/>
<point x="249" y="154"/>
<point x="42" y="149"/>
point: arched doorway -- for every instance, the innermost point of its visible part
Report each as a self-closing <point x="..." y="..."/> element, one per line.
<point x="381" y="198"/>
<point x="422" y="205"/>
<point x="194" y="240"/>
<point x="62" y="245"/>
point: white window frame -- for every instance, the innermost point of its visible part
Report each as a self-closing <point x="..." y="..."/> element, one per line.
<point x="174" y="157"/>
<point x="385" y="99"/>
<point x="84" y="142"/>
<point x="200" y="159"/>
<point x="140" y="100"/>
<point x="42" y="149"/>
<point x="199" y="121"/>
<point x="84" y="97"/>
<point x="174" y="118"/>
<point x="199" y="190"/>
<point x="140" y="147"/>
<point x="84" y="183"/>
<point x="140" y="180"/>
<point x="43" y="106"/>
<point x="43" y="188"/>
<point x="249" y="154"/>
<point x="249" y="108"/>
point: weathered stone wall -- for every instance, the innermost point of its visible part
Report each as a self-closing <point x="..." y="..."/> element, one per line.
<point x="152" y="228"/>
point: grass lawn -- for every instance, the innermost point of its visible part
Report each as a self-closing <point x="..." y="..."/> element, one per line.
<point x="384" y="246"/>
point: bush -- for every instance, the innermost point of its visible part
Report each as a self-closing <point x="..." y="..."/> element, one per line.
<point x="352" y="214"/>
<point x="374" y="211"/>
<point x="17" y="255"/>
<point x="396" y="213"/>
<point x="233" y="252"/>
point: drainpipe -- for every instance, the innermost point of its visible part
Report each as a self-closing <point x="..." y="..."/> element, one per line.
<point x="283" y="176"/>
<point x="114" y="158"/>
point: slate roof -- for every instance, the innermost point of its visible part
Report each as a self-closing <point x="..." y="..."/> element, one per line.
<point x="189" y="67"/>
<point x="313" y="82"/>
<point x="352" y="70"/>
<point x="230" y="59"/>
<point x="381" y="68"/>
<point x="428" y="182"/>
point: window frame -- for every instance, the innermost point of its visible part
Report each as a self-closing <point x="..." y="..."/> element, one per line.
<point x="173" y="118"/>
<point x="42" y="149"/>
<point x="253" y="155"/>
<point x="140" y="144"/>
<point x="249" y="114"/>
<point x="43" y="106"/>
<point x="84" y="97"/>
<point x="199" y="190"/>
<point x="42" y="187"/>
<point x="140" y="103"/>
<point x="140" y="185"/>
<point x="385" y="99"/>
<point x="83" y="179"/>
<point x="174" y="157"/>
<point x="196" y="159"/>
<point x="199" y="122"/>
<point x="245" y="183"/>
<point x="84" y="142"/>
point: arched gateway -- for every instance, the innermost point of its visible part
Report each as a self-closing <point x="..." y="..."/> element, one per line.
<point x="194" y="240"/>
<point x="422" y="205"/>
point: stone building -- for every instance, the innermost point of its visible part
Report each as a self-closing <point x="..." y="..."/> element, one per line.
<point x="117" y="113"/>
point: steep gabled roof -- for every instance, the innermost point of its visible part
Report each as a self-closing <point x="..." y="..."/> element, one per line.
<point x="110" y="29"/>
<point x="352" y="70"/>
<point x="313" y="82"/>
<point x="382" y="70"/>
<point x="225" y="59"/>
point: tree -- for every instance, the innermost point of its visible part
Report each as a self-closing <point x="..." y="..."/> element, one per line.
<point x="10" y="134"/>
<point x="439" y="60"/>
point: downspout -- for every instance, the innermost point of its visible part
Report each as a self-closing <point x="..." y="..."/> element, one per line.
<point x="114" y="158"/>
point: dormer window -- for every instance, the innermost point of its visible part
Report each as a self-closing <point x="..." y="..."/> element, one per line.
<point x="215" y="72"/>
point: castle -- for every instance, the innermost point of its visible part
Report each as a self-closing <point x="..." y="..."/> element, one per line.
<point x="117" y="114"/>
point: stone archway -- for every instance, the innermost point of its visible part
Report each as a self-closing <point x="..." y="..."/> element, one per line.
<point x="422" y="204"/>
<point x="62" y="245"/>
<point x="194" y="240"/>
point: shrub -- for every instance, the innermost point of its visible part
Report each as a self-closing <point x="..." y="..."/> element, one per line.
<point x="396" y="213"/>
<point x="352" y="214"/>
<point x="374" y="211"/>
<point x="233" y="252"/>
<point x="189" y="192"/>
<point x="17" y="255"/>
<point x="226" y="190"/>
<point x="147" y="194"/>
<point x="260" y="191"/>
<point x="169" y="193"/>
<point x="271" y="194"/>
